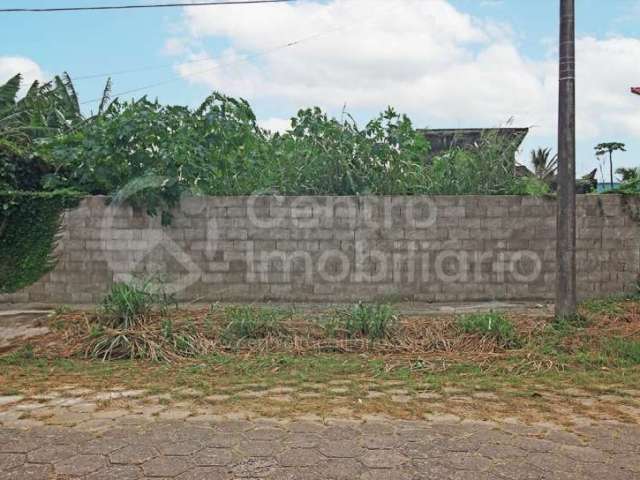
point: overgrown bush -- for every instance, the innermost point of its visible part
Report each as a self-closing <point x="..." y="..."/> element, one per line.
<point x="363" y="320"/>
<point x="487" y="168"/>
<point x="491" y="325"/>
<point x="321" y="155"/>
<point x="631" y="182"/>
<point x="128" y="305"/>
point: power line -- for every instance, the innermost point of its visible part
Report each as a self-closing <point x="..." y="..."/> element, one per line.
<point x="220" y="65"/>
<point x="130" y="7"/>
<point x="139" y="69"/>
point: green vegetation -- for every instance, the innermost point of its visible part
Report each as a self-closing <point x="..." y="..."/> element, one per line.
<point x="630" y="182"/>
<point x="608" y="148"/>
<point x="128" y="304"/>
<point x="249" y="322"/>
<point x="119" y="329"/>
<point x="47" y="110"/>
<point x="29" y="225"/>
<point x="491" y="325"/>
<point x="150" y="154"/>
<point x="621" y="351"/>
<point x="29" y="209"/>
<point x="363" y="321"/>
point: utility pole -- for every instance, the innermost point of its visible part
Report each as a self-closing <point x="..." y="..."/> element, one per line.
<point x="566" y="220"/>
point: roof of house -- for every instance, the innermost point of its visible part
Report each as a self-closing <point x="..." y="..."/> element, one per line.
<point x="444" y="139"/>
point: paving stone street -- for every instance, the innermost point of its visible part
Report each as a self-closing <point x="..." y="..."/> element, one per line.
<point x="117" y="445"/>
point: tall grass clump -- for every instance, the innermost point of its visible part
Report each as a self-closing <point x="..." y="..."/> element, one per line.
<point x="492" y="325"/>
<point x="250" y="322"/>
<point x="129" y="304"/>
<point x="363" y="320"/>
<point x="120" y="329"/>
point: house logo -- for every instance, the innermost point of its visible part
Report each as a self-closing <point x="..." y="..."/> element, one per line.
<point x="137" y="247"/>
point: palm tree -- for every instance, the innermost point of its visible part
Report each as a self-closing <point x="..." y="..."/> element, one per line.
<point x="610" y="147"/>
<point x="544" y="166"/>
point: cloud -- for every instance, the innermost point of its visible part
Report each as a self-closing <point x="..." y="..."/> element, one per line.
<point x="443" y="67"/>
<point x="276" y="124"/>
<point x="606" y="70"/>
<point x="30" y="70"/>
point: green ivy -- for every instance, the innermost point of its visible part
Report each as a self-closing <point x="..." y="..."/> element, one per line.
<point x="29" y="226"/>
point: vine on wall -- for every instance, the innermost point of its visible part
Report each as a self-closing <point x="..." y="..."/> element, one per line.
<point x="29" y="226"/>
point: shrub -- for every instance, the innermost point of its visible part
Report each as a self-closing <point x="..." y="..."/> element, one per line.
<point x="491" y="325"/>
<point x="249" y="322"/>
<point x="630" y="183"/>
<point x="363" y="320"/>
<point x="128" y="304"/>
<point x="486" y="168"/>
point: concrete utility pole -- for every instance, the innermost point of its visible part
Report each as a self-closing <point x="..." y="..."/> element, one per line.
<point x="566" y="221"/>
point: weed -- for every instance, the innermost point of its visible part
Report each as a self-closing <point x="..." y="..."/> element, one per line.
<point x="568" y="325"/>
<point x="622" y="351"/>
<point x="363" y="320"/>
<point x="249" y="322"/>
<point x="611" y="305"/>
<point x="61" y="310"/>
<point x="492" y="325"/>
<point x="18" y="357"/>
<point x="129" y="304"/>
<point x="183" y="340"/>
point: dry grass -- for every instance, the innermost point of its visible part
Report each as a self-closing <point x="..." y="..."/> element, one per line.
<point x="76" y="334"/>
<point x="417" y="343"/>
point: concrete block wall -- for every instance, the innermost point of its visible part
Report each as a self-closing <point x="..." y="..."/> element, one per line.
<point x="434" y="249"/>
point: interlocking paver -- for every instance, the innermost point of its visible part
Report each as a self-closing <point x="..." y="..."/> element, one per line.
<point x="166" y="466"/>
<point x="260" y="448"/>
<point x="180" y="448"/>
<point x="213" y="457"/>
<point x="265" y="434"/>
<point x="218" y="448"/>
<point x="117" y="472"/>
<point x="341" y="468"/>
<point x="102" y="446"/>
<point x="133" y="455"/>
<point x="20" y="445"/>
<point x="303" y="440"/>
<point x="11" y="460"/>
<point x="384" y="459"/>
<point x="206" y="473"/>
<point x="254" y="468"/>
<point x="31" y="471"/>
<point x="341" y="449"/>
<point x="51" y="453"/>
<point x="299" y="457"/>
<point x="80" y="465"/>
